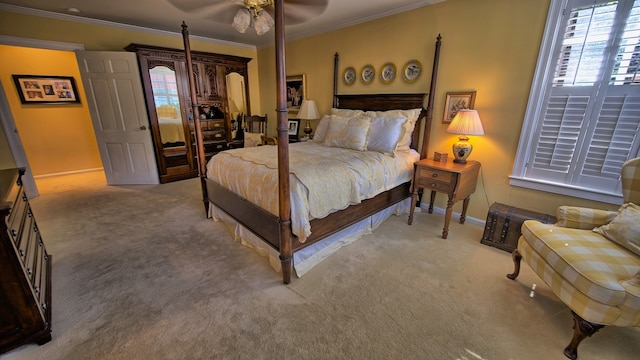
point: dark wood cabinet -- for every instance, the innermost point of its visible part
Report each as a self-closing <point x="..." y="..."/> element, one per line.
<point x="25" y="269"/>
<point x="167" y="94"/>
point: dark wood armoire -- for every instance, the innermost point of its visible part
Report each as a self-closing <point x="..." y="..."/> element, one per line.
<point x="166" y="85"/>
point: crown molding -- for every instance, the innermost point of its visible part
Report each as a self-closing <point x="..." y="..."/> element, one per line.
<point x="41" y="44"/>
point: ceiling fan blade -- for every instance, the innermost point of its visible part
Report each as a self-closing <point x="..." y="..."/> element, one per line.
<point x="224" y="15"/>
<point x="299" y="11"/>
<point x="204" y="5"/>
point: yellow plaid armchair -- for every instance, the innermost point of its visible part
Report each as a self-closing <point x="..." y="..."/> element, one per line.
<point x="591" y="260"/>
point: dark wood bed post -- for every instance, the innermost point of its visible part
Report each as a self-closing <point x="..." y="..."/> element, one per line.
<point x="336" y="58"/>
<point x="432" y="90"/>
<point x="286" y="249"/>
<point x="202" y="162"/>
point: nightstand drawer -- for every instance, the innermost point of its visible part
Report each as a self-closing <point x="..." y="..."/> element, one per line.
<point x="427" y="183"/>
<point x="436" y="175"/>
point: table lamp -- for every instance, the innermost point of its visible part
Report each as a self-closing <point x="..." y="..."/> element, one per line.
<point x="466" y="122"/>
<point x="308" y="111"/>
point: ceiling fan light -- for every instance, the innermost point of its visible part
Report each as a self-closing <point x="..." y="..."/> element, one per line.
<point x="263" y="22"/>
<point x="242" y="20"/>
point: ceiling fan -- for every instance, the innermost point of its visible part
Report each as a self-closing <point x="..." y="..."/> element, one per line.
<point x="252" y="13"/>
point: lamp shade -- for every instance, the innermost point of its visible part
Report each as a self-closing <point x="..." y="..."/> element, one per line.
<point x="308" y="110"/>
<point x="466" y="122"/>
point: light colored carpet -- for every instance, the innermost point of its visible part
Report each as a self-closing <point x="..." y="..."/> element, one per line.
<point x="140" y="273"/>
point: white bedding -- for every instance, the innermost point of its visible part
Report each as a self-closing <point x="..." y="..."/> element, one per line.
<point x="323" y="179"/>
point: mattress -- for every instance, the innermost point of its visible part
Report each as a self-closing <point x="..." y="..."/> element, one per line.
<point x="322" y="179"/>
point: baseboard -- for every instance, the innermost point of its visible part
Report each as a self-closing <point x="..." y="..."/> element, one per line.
<point x="67" y="173"/>
<point x="454" y="215"/>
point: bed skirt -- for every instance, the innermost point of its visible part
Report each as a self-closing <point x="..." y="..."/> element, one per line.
<point x="310" y="256"/>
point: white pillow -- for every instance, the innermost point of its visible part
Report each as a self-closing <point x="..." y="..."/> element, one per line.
<point x="348" y="133"/>
<point x="321" y="130"/>
<point x="347" y="113"/>
<point x="252" y="139"/>
<point x="384" y="134"/>
<point x="409" y="125"/>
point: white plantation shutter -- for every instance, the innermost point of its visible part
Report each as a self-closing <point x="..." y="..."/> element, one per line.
<point x="583" y="118"/>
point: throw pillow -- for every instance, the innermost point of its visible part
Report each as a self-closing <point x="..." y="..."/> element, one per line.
<point x="321" y="130"/>
<point x="347" y="113"/>
<point x="348" y="133"/>
<point x="385" y="134"/>
<point x="624" y="229"/>
<point x="252" y="139"/>
<point x="412" y="118"/>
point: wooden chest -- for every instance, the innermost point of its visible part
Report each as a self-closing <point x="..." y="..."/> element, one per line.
<point x="502" y="228"/>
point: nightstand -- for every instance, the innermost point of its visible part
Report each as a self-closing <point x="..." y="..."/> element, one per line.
<point x="458" y="181"/>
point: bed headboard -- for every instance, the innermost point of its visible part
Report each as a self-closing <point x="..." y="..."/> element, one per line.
<point x="383" y="102"/>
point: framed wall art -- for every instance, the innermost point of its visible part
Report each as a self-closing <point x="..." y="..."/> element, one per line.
<point x="296" y="92"/>
<point x="294" y="128"/>
<point x="43" y="89"/>
<point x="455" y="101"/>
<point x="367" y="74"/>
<point x="411" y="71"/>
<point x="349" y="76"/>
<point x="387" y="73"/>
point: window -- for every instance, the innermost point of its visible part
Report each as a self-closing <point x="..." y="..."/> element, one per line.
<point x="583" y="115"/>
<point x="165" y="88"/>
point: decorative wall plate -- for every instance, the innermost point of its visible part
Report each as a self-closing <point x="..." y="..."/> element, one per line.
<point x="349" y="75"/>
<point x="367" y="74"/>
<point x="387" y="73"/>
<point x="412" y="70"/>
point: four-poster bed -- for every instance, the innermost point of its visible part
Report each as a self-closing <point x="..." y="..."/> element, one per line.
<point x="274" y="226"/>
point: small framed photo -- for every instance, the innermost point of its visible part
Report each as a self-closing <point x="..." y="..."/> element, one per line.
<point x="456" y="101"/>
<point x="294" y="128"/>
<point x="296" y="92"/>
<point x="42" y="89"/>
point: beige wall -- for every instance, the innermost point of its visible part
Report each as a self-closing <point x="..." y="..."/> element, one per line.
<point x="60" y="139"/>
<point x="56" y="138"/>
<point x="487" y="46"/>
<point x="104" y="38"/>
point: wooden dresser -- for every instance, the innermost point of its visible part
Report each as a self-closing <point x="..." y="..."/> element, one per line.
<point x="214" y="137"/>
<point x="25" y="269"/>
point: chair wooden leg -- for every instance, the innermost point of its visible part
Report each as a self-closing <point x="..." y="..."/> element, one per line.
<point x="517" y="257"/>
<point x="581" y="330"/>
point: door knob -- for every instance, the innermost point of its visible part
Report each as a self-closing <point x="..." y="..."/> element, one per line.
<point x="143" y="127"/>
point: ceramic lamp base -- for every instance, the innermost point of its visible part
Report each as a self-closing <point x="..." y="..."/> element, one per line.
<point x="462" y="150"/>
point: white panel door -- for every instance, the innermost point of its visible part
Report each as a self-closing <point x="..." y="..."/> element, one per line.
<point x="116" y="101"/>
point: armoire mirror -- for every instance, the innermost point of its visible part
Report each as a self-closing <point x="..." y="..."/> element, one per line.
<point x="167" y="103"/>
<point x="218" y="78"/>
<point x="236" y="100"/>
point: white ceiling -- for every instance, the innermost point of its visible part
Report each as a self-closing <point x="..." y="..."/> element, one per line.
<point x="162" y="15"/>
